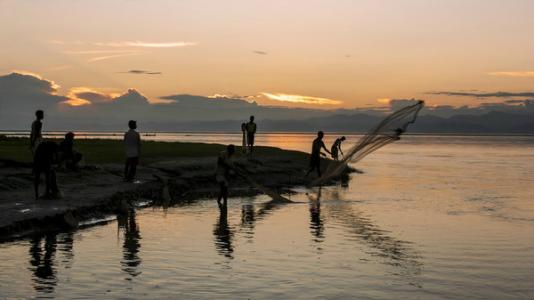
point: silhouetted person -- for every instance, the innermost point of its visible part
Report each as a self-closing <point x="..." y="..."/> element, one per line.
<point x="244" y="130"/>
<point x="315" y="159"/>
<point x="132" y="146"/>
<point x="223" y="234"/>
<point x="45" y="156"/>
<point x="131" y="245"/>
<point x="336" y="148"/>
<point x="222" y="173"/>
<point x="42" y="263"/>
<point x="36" y="135"/>
<point x="251" y="132"/>
<point x="68" y="155"/>
<point x="316" y="222"/>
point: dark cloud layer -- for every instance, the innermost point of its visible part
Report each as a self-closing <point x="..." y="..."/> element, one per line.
<point x="259" y="52"/>
<point x="22" y="94"/>
<point x="484" y="95"/>
<point x="142" y="72"/>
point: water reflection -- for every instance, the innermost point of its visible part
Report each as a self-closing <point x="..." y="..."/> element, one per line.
<point x="397" y="252"/>
<point x="316" y="221"/>
<point x="223" y="234"/>
<point x="130" y="250"/>
<point x="42" y="262"/>
<point x="248" y="219"/>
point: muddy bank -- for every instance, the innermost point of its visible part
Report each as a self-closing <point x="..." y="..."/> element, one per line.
<point x="97" y="191"/>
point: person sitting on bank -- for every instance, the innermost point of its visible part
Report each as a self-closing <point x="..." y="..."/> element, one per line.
<point x="132" y="147"/>
<point x="222" y="173"/>
<point x="336" y="148"/>
<point x="36" y="131"/>
<point x="315" y="158"/>
<point x="44" y="159"/>
<point x="251" y="132"/>
<point x="68" y="155"/>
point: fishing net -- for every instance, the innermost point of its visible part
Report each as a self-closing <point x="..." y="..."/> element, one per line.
<point x="387" y="131"/>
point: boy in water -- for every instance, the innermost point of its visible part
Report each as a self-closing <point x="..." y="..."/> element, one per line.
<point x="36" y="135"/>
<point x="336" y="148"/>
<point x="315" y="159"/>
<point x="251" y="132"/>
<point x="132" y="146"/>
<point x="224" y="164"/>
<point x="45" y="156"/>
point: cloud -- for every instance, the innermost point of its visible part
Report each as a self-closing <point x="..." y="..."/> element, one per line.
<point x="513" y="73"/>
<point x="302" y="99"/>
<point x="100" y="58"/>
<point x="21" y="93"/>
<point x="396" y="104"/>
<point x="484" y="95"/>
<point x="78" y="96"/>
<point x="383" y="100"/>
<point x="259" y="52"/>
<point x="125" y="44"/>
<point x="141" y="72"/>
<point x="104" y="54"/>
<point x="145" y="44"/>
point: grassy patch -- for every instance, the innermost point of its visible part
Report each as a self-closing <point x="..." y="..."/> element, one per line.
<point x="112" y="151"/>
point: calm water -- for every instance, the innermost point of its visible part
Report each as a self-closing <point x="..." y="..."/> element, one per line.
<point x="430" y="218"/>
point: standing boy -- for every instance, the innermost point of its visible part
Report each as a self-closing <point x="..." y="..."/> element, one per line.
<point x="36" y="136"/>
<point x="251" y="132"/>
<point x="132" y="146"/>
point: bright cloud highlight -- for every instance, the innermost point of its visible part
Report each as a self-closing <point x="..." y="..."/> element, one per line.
<point x="302" y="99"/>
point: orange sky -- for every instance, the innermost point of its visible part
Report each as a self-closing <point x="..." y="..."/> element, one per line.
<point x="335" y="53"/>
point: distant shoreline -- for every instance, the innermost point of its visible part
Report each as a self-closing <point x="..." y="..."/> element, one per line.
<point x="152" y="133"/>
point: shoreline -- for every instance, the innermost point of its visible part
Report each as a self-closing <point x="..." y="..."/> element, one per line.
<point x="98" y="190"/>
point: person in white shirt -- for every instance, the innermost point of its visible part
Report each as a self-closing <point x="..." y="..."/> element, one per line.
<point x="132" y="146"/>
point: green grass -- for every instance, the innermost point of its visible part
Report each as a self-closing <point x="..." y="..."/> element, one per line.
<point x="97" y="151"/>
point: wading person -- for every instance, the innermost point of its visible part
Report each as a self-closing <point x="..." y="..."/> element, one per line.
<point x="67" y="153"/>
<point x="36" y="135"/>
<point x="222" y="172"/>
<point x="45" y="156"/>
<point x="315" y="159"/>
<point x="251" y="132"/>
<point x="132" y="147"/>
<point x="336" y="148"/>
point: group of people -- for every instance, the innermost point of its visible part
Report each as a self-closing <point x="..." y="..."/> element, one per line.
<point x="46" y="154"/>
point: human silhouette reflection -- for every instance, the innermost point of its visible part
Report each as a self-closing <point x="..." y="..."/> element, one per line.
<point x="223" y="234"/>
<point x="316" y="222"/>
<point x="248" y="218"/>
<point x="65" y="245"/>
<point x="393" y="251"/>
<point x="130" y="248"/>
<point x="42" y="262"/>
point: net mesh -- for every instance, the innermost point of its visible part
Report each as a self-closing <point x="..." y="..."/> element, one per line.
<point x="387" y="131"/>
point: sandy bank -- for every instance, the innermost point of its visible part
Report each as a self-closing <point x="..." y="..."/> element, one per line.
<point x="99" y="190"/>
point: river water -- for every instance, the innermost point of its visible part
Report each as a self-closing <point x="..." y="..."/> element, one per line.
<point x="431" y="217"/>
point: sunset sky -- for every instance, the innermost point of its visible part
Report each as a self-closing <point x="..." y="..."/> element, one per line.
<point x="320" y="54"/>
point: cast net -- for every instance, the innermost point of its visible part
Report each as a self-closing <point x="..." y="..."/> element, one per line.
<point x="387" y="131"/>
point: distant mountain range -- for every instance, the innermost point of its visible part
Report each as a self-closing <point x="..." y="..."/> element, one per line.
<point x="488" y="123"/>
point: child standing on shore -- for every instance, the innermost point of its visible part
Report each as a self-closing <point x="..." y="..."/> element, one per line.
<point x="132" y="146"/>
<point x="36" y="136"/>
